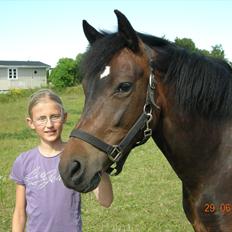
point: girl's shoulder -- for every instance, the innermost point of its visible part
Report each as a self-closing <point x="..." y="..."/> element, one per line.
<point x="21" y="164"/>
<point x="28" y="154"/>
<point x="27" y="157"/>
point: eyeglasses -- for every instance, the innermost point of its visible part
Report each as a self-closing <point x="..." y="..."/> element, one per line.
<point x="42" y="120"/>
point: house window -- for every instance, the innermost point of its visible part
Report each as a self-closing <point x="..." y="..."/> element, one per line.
<point x="12" y="74"/>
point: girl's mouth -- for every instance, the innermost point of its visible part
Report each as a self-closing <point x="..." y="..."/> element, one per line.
<point x="50" y="132"/>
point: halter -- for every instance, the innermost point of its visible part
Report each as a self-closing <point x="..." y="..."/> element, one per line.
<point x="117" y="153"/>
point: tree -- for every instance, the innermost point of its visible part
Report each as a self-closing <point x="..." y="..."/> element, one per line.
<point x="218" y="52"/>
<point x="64" y="74"/>
<point x="185" y="43"/>
<point x="78" y="61"/>
<point x="204" y="52"/>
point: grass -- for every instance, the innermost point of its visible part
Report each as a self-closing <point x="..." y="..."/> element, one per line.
<point x="147" y="194"/>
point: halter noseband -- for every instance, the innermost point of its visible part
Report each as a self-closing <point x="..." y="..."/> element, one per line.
<point x="116" y="153"/>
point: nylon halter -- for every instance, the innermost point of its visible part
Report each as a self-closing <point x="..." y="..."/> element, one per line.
<point x="117" y="153"/>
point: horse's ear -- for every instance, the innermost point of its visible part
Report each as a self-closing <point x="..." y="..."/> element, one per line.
<point x="125" y="29"/>
<point x="91" y="33"/>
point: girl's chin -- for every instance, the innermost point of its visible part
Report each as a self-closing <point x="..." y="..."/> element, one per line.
<point x="51" y="138"/>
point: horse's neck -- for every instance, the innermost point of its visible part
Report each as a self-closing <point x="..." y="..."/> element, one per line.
<point x="190" y="146"/>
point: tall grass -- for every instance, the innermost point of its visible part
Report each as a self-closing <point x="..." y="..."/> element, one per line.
<point x="147" y="194"/>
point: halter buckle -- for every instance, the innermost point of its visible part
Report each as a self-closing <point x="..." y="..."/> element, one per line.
<point x="113" y="168"/>
<point x="115" y="154"/>
<point x="152" y="81"/>
<point x="147" y="133"/>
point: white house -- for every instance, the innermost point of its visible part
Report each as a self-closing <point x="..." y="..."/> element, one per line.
<point x="22" y="74"/>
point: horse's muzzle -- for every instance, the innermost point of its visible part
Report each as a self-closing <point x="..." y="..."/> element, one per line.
<point x="74" y="176"/>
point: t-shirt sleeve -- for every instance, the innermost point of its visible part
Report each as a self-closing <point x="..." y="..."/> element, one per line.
<point x="17" y="171"/>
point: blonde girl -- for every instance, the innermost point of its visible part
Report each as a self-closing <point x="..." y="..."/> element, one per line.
<point x="43" y="203"/>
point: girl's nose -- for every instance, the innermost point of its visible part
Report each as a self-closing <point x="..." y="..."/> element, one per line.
<point x="49" y="122"/>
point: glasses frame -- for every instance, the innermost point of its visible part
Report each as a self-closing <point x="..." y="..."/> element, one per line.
<point x="54" y="118"/>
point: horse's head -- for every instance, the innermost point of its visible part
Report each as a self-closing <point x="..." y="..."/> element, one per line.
<point x="121" y="105"/>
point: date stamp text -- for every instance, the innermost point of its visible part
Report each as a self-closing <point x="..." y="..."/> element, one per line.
<point x="223" y="208"/>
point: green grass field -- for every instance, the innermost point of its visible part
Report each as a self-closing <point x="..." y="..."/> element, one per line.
<point x="147" y="194"/>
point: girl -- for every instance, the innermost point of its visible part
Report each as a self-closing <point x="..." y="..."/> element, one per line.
<point x="41" y="198"/>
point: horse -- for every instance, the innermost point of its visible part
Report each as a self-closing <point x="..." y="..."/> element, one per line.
<point x="138" y="86"/>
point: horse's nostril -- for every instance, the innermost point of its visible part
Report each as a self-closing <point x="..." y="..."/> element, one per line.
<point x="74" y="167"/>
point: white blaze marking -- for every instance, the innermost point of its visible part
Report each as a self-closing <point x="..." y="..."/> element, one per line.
<point x="105" y="73"/>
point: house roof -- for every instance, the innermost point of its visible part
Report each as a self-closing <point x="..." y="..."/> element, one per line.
<point x="37" y="64"/>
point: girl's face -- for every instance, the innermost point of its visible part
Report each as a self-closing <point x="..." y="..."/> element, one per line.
<point x="47" y="120"/>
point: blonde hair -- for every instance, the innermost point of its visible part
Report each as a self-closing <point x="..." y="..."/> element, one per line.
<point x="38" y="97"/>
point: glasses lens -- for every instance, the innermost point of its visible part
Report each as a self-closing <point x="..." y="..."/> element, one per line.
<point x="42" y="120"/>
<point x="56" y="118"/>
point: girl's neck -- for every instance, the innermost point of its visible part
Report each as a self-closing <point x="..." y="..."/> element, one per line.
<point x="51" y="149"/>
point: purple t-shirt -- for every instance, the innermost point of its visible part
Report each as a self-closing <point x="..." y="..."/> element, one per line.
<point x="50" y="206"/>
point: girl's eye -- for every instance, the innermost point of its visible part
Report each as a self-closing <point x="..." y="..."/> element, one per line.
<point x="55" y="117"/>
<point x="124" y="87"/>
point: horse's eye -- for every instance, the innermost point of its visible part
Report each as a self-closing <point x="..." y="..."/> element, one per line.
<point x="124" y="87"/>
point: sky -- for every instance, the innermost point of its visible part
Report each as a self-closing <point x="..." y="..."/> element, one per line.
<point x="47" y="30"/>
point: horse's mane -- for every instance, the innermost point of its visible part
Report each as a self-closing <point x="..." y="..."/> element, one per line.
<point x="202" y="85"/>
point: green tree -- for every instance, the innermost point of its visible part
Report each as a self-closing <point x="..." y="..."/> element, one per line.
<point x="218" y="52"/>
<point x="204" y="52"/>
<point x="64" y="74"/>
<point x="78" y="61"/>
<point x="185" y="43"/>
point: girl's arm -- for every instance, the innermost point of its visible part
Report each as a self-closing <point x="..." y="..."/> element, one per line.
<point x="19" y="215"/>
<point x="104" y="191"/>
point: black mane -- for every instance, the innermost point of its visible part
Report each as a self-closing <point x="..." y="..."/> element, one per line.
<point x="203" y="85"/>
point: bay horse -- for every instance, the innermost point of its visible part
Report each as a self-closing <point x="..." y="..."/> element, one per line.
<point x="139" y="86"/>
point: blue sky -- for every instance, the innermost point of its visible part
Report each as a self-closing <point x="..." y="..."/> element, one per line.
<point x="47" y="30"/>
